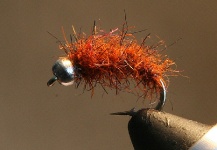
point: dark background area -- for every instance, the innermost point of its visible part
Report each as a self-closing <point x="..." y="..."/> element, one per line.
<point x="33" y="116"/>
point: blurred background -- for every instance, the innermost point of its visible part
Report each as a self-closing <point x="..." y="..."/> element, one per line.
<point x="33" y="116"/>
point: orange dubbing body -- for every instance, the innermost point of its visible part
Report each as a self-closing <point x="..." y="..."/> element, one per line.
<point x="114" y="59"/>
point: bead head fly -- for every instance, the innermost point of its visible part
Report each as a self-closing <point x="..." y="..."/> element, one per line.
<point x="113" y="59"/>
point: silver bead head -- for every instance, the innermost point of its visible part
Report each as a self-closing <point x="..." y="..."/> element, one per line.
<point x="63" y="71"/>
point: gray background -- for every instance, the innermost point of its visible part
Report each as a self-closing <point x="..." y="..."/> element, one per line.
<point x="35" y="117"/>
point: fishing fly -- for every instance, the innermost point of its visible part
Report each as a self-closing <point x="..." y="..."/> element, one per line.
<point x="113" y="59"/>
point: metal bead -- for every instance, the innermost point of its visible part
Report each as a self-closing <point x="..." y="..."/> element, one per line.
<point x="63" y="71"/>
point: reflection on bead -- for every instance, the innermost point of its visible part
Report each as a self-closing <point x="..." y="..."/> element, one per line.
<point x="63" y="71"/>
